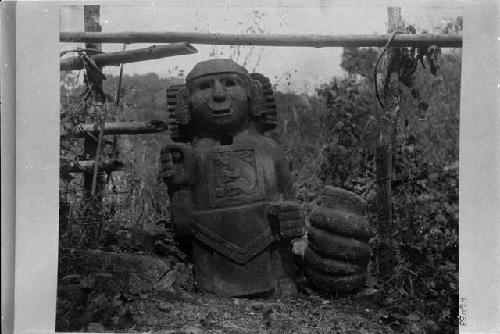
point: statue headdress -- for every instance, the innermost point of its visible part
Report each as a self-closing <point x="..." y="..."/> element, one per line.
<point x="263" y="106"/>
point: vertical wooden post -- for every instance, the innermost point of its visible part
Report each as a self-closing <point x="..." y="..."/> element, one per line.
<point x="91" y="14"/>
<point x="385" y="251"/>
<point x="93" y="183"/>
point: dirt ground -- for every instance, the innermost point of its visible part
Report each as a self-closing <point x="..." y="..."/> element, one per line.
<point x="195" y="313"/>
<point x="198" y="313"/>
<point x="108" y="296"/>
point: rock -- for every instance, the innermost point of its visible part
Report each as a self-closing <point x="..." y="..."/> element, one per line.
<point x="336" y="284"/>
<point x="120" y="272"/>
<point x="369" y="297"/>
<point x="338" y="250"/>
<point x="95" y="327"/>
<point x="341" y="199"/>
<point x="338" y="247"/>
<point x="330" y="266"/>
<point x="192" y="330"/>
<point x="341" y="222"/>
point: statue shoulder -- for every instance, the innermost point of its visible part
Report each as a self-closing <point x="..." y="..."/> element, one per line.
<point x="265" y="143"/>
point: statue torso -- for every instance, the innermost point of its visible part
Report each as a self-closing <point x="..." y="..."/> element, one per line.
<point x="243" y="173"/>
<point x="235" y="184"/>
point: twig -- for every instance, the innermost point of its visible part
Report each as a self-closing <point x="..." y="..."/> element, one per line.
<point x="114" y="128"/>
<point x="117" y="93"/>
<point x="411" y="272"/>
<point x="78" y="50"/>
<point x="140" y="215"/>
<point x="375" y="70"/>
<point x="130" y="56"/>
<point x="98" y="152"/>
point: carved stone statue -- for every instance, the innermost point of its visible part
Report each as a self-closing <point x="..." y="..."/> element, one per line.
<point x="232" y="197"/>
<point x="232" y="201"/>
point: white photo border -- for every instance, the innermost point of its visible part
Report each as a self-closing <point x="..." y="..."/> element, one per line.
<point x="36" y="155"/>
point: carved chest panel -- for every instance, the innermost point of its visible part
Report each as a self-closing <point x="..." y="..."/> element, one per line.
<point x="234" y="175"/>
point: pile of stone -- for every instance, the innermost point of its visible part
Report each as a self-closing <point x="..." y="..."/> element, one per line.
<point x="338" y="252"/>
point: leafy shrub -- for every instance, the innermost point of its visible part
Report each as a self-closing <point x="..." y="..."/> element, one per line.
<point x="425" y="179"/>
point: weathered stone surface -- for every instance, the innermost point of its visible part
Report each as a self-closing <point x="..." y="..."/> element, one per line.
<point x="341" y="199"/>
<point x="288" y="217"/>
<point x="230" y="186"/>
<point x="336" y="284"/>
<point x="341" y="222"/>
<point x="339" y="247"/>
<point x="338" y="251"/>
<point x="330" y="266"/>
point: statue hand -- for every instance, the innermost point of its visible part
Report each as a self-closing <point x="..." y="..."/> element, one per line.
<point x="286" y="219"/>
<point x="177" y="163"/>
<point x="167" y="165"/>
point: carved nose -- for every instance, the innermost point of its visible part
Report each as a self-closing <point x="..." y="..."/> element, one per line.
<point x="219" y="93"/>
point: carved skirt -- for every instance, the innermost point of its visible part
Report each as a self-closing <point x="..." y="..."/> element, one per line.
<point x="231" y="250"/>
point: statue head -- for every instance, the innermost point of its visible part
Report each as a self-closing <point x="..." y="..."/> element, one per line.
<point x="220" y="97"/>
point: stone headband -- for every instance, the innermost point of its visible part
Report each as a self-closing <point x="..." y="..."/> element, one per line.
<point x="216" y="66"/>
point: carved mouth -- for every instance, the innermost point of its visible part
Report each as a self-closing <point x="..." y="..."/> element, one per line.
<point x="221" y="112"/>
<point x="220" y="108"/>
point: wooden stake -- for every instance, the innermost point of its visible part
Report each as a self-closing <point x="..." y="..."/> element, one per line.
<point x="91" y="16"/>
<point x="120" y="78"/>
<point x="89" y="165"/>
<point x="385" y="254"/>
<point x="131" y="56"/>
<point x="98" y="152"/>
<point x="116" y="128"/>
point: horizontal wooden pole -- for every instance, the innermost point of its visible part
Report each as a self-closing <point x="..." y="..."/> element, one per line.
<point x="130" y="56"/>
<point x="88" y="166"/>
<point x="117" y="128"/>
<point x="318" y="41"/>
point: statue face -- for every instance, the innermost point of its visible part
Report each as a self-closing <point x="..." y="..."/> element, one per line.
<point x="220" y="101"/>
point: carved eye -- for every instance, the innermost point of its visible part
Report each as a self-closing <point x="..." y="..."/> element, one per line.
<point x="230" y="83"/>
<point x="204" y="86"/>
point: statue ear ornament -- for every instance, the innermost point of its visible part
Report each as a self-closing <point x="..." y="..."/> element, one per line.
<point x="257" y="99"/>
<point x="179" y="112"/>
<point x="183" y="110"/>
<point x="263" y="103"/>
